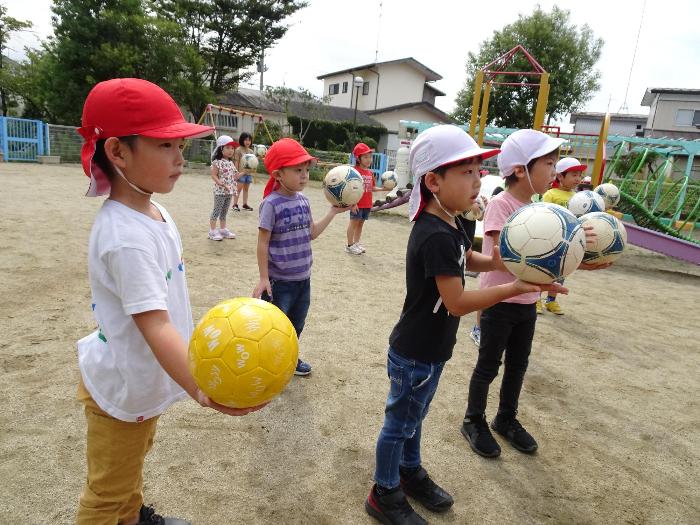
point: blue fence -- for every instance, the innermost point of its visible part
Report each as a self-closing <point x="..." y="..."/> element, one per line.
<point x="22" y="140"/>
<point x="380" y="163"/>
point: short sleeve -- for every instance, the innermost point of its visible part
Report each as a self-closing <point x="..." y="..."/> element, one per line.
<point x="548" y="196"/>
<point x="267" y="215"/>
<point x="140" y="282"/>
<point x="443" y="255"/>
<point x="495" y="216"/>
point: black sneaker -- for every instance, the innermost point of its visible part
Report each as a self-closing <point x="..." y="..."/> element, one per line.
<point x="511" y="429"/>
<point x="148" y="516"/>
<point x="247" y="208"/>
<point x="476" y="430"/>
<point x="392" y="508"/>
<point x="235" y="208"/>
<point x="418" y="485"/>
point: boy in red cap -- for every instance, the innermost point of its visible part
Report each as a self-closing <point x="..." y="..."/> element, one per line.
<point x="134" y="366"/>
<point x="285" y="233"/>
<point x="360" y="212"/>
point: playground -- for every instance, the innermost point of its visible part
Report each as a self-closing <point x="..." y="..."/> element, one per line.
<point x="611" y="392"/>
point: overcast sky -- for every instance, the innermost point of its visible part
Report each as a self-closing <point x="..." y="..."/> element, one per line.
<point x="330" y="35"/>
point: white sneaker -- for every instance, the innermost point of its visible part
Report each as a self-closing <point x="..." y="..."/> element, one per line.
<point x="361" y="248"/>
<point x="226" y="233"/>
<point x="214" y="235"/>
<point x="353" y="250"/>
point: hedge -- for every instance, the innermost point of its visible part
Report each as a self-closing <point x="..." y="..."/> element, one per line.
<point x="332" y="135"/>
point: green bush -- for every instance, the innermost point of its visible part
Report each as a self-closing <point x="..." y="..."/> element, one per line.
<point x="332" y="136"/>
<point x="261" y="136"/>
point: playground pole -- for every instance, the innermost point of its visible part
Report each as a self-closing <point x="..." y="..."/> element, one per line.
<point x="599" y="164"/>
<point x="684" y="187"/>
<point x="542" y="97"/>
<point x="475" y="101"/>
<point x="484" y="113"/>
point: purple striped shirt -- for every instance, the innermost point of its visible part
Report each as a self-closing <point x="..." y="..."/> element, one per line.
<point x="289" y="219"/>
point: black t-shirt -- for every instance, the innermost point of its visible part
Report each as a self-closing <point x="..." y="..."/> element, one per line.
<point x="426" y="331"/>
<point x="468" y="226"/>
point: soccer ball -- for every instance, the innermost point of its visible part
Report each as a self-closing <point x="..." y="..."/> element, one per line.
<point x="586" y="201"/>
<point x="470" y="215"/>
<point x="249" y="162"/>
<point x="610" y="194"/>
<point x="610" y="241"/>
<point x="388" y="180"/>
<point x="343" y="186"/>
<point x="260" y="151"/>
<point x="542" y="242"/>
<point x="243" y="352"/>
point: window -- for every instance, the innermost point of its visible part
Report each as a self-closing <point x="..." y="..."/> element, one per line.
<point x="684" y="117"/>
<point x="365" y="88"/>
<point x="345" y="87"/>
<point x="333" y="89"/>
<point x="639" y="126"/>
<point x="224" y="120"/>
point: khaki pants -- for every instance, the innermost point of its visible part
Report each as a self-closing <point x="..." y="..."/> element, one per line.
<point x="115" y="454"/>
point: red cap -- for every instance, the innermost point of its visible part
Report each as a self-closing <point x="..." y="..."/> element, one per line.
<point x="283" y="153"/>
<point x="361" y="149"/>
<point x="129" y="106"/>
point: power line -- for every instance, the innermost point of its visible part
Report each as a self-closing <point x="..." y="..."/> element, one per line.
<point x="624" y="107"/>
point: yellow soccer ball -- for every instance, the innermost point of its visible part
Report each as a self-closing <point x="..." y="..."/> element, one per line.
<point x="243" y="352"/>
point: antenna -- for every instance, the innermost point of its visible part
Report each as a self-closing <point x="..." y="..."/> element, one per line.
<point x="379" y="28"/>
<point x="623" y="107"/>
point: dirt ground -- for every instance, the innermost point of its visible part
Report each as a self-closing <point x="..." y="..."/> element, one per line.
<point x="611" y="393"/>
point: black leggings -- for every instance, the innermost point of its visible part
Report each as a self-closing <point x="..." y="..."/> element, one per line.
<point x="507" y="327"/>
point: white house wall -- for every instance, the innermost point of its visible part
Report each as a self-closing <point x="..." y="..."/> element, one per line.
<point x="663" y="114"/>
<point x="390" y="119"/>
<point x="398" y="84"/>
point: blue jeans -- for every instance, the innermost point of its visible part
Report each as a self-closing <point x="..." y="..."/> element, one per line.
<point x="412" y="387"/>
<point x="293" y="298"/>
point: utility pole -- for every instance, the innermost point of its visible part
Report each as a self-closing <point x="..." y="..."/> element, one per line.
<point x="261" y="68"/>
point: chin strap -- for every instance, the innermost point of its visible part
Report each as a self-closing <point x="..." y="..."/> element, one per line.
<point x="453" y="215"/>
<point x="529" y="180"/>
<point x="133" y="186"/>
<point x="284" y="186"/>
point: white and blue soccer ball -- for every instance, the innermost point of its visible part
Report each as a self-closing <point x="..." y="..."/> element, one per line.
<point x="260" y="150"/>
<point x="586" y="201"/>
<point x="542" y="242"/>
<point x="471" y="215"/>
<point x="610" y="194"/>
<point x="610" y="241"/>
<point x="343" y="186"/>
<point x="249" y="162"/>
<point x="389" y="180"/>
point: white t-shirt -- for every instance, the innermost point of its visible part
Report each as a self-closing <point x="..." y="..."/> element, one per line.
<point x="135" y="265"/>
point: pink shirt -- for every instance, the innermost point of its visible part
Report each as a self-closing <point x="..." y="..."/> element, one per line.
<point x="497" y="212"/>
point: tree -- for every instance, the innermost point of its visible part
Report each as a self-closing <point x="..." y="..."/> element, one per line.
<point x="568" y="53"/>
<point x="301" y="103"/>
<point x="8" y="25"/>
<point x="96" y="40"/>
<point x="229" y="35"/>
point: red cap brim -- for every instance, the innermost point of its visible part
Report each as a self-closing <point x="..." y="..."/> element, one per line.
<point x="178" y="130"/>
<point x="582" y="167"/>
